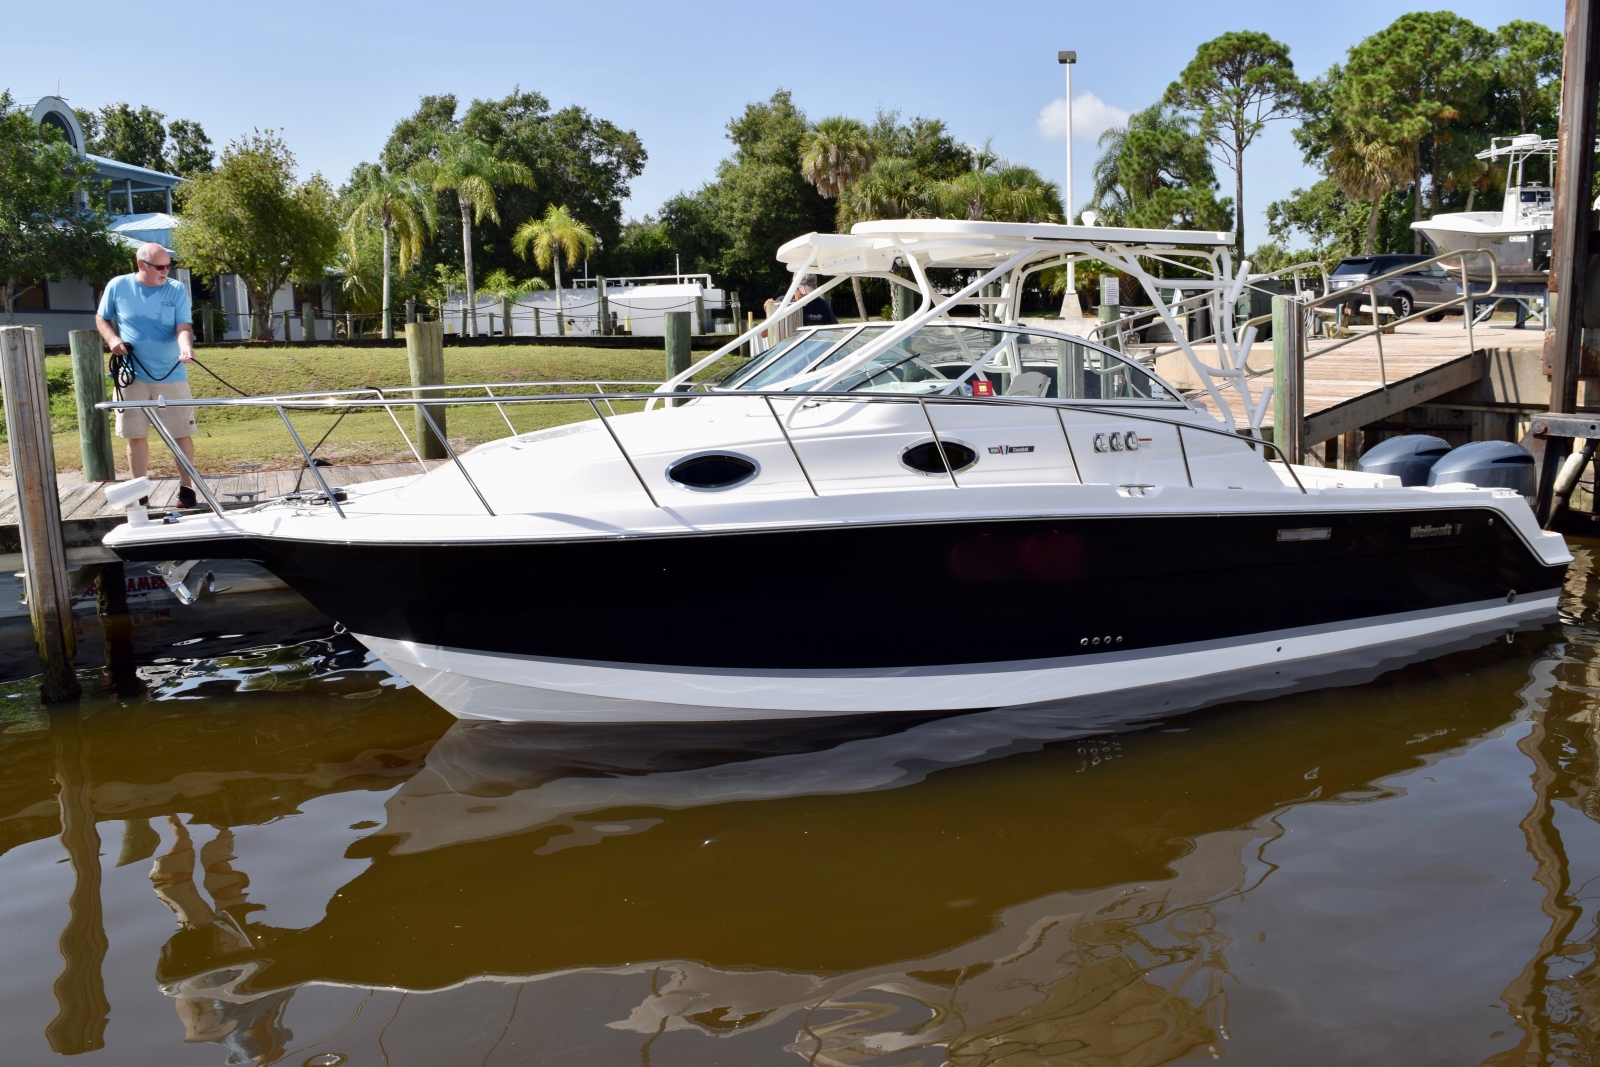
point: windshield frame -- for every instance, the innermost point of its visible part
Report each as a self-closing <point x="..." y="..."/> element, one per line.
<point x="800" y="383"/>
<point x="737" y="380"/>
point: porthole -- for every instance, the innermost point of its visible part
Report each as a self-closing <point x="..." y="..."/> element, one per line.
<point x="923" y="457"/>
<point x="712" y="472"/>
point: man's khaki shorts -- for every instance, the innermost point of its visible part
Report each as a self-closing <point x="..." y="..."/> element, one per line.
<point x="135" y="424"/>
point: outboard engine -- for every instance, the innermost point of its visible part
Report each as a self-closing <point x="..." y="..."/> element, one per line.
<point x="1486" y="464"/>
<point x="1408" y="458"/>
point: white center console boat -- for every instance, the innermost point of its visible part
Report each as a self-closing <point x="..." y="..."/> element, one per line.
<point x="1519" y="233"/>
<point x="942" y="513"/>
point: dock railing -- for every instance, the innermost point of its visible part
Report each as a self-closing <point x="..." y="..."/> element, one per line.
<point x="1291" y="352"/>
<point x="359" y="399"/>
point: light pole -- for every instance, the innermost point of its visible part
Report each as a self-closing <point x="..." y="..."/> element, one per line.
<point x="1070" y="299"/>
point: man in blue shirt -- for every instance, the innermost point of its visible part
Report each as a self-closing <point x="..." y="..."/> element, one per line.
<point x="147" y="313"/>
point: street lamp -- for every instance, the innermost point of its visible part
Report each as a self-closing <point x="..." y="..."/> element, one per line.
<point x="1070" y="299"/>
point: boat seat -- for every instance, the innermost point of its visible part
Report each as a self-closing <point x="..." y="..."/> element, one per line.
<point x="1029" y="383"/>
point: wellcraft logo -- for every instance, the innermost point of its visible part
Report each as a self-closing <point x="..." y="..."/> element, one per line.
<point x="1442" y="530"/>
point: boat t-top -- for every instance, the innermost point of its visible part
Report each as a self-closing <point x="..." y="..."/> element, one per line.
<point x="952" y="511"/>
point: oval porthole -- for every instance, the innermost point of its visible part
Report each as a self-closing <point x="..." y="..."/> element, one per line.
<point x="924" y="457"/>
<point x="713" y="471"/>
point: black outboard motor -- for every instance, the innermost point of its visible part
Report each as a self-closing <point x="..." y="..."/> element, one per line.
<point x="1409" y="458"/>
<point x="1486" y="464"/>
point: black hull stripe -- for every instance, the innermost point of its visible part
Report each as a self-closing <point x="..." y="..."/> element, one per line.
<point x="863" y="598"/>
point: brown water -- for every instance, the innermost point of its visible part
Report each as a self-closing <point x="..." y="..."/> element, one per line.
<point x="276" y="852"/>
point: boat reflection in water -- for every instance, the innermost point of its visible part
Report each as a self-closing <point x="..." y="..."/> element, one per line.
<point x="545" y="894"/>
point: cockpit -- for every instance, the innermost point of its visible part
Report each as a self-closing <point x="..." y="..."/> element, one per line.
<point x="949" y="359"/>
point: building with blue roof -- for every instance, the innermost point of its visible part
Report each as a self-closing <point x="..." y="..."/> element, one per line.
<point x="69" y="304"/>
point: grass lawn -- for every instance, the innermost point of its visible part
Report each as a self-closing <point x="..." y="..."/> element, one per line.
<point x="229" y="439"/>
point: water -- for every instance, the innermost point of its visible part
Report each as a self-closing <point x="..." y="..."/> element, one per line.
<point x="270" y="850"/>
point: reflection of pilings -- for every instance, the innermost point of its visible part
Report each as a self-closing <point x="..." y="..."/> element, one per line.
<point x="1526" y="996"/>
<point x="80" y="1022"/>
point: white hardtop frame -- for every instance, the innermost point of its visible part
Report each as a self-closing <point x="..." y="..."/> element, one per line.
<point x="1007" y="253"/>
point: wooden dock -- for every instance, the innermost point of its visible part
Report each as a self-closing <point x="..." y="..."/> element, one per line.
<point x="1344" y="389"/>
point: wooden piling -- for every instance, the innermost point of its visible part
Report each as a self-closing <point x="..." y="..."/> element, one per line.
<point x="505" y="315"/>
<point x="308" y="322"/>
<point x="1570" y="238"/>
<point x="603" y="306"/>
<point x="116" y="629"/>
<point x="33" y="463"/>
<point x="905" y="303"/>
<point x="288" y="317"/>
<point x="89" y="385"/>
<point x="675" y="325"/>
<point x="425" y="353"/>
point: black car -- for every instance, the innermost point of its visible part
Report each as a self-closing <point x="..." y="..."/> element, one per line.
<point x="1413" y="291"/>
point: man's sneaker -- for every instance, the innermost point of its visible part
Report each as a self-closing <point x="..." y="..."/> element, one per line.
<point x="186" y="497"/>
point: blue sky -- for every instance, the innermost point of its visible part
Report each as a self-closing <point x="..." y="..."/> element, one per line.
<point x="334" y="77"/>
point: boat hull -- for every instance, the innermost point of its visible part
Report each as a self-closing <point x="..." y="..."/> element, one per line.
<point x="933" y="616"/>
<point x="1152" y="683"/>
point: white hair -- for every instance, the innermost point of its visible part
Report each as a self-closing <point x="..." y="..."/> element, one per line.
<point x="150" y="248"/>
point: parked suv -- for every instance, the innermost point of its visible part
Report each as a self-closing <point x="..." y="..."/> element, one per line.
<point x="1406" y="294"/>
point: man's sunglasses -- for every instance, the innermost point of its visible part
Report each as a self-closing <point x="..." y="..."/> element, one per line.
<point x="156" y="266"/>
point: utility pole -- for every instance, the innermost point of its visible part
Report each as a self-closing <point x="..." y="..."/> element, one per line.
<point x="1070" y="299"/>
<point x="1570" y="241"/>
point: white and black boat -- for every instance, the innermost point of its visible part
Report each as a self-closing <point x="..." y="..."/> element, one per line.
<point x="940" y="513"/>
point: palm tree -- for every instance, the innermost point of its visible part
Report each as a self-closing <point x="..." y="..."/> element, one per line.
<point x="1365" y="170"/>
<point x="1000" y="191"/>
<point x="834" y="153"/>
<point x="893" y="189"/>
<point x="551" y="237"/>
<point x="399" y="205"/>
<point x="468" y="167"/>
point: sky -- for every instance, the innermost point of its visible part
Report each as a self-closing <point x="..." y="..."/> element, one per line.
<point x="334" y="78"/>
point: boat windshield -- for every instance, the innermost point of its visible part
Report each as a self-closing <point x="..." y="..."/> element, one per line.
<point x="974" y="361"/>
<point x="807" y="352"/>
<point x="785" y="360"/>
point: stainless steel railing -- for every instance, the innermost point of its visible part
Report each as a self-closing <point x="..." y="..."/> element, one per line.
<point x="357" y="399"/>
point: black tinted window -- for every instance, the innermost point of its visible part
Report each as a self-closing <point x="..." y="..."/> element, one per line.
<point x="1385" y="264"/>
<point x="1353" y="266"/>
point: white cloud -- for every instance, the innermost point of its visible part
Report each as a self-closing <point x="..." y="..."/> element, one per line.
<point x="1091" y="116"/>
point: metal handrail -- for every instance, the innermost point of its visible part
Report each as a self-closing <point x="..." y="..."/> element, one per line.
<point x="340" y="399"/>
<point x="1467" y="295"/>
